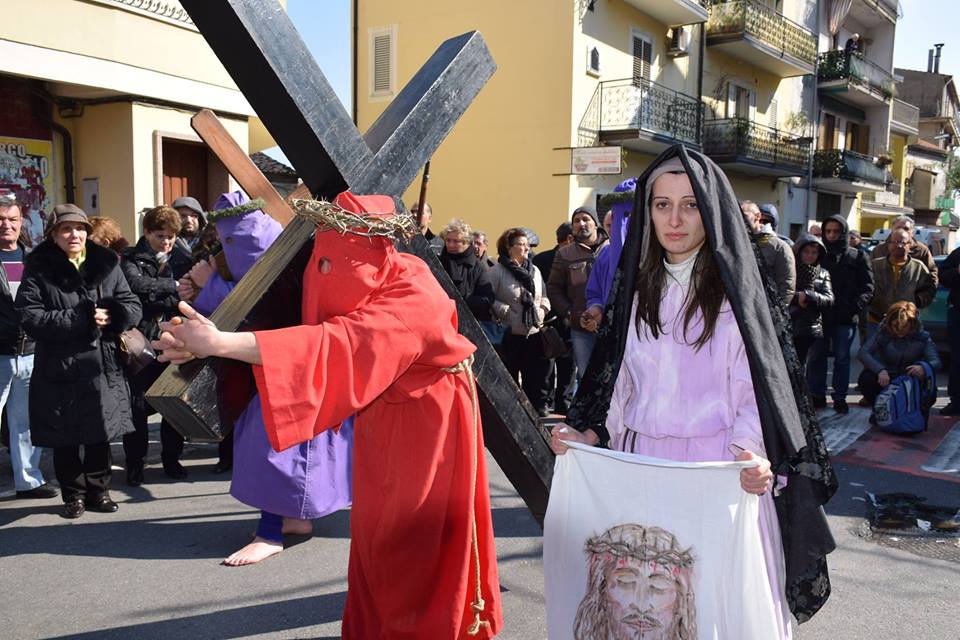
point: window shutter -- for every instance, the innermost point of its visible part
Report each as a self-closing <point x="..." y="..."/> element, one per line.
<point x="642" y="58"/>
<point x="382" y="62"/>
<point x="772" y="115"/>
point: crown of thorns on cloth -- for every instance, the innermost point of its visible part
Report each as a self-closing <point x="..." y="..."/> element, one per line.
<point x="642" y="553"/>
<point x="328" y="216"/>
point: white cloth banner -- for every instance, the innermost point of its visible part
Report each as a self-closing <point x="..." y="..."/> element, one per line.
<point x="638" y="547"/>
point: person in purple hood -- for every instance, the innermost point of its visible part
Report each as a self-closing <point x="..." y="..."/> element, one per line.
<point x="601" y="278"/>
<point x="301" y="483"/>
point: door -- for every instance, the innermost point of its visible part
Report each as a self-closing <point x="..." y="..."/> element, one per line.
<point x="184" y="171"/>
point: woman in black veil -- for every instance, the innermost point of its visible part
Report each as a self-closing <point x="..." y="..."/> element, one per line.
<point x="694" y="361"/>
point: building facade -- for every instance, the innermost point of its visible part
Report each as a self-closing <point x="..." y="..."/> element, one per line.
<point x="96" y="98"/>
<point x="768" y="88"/>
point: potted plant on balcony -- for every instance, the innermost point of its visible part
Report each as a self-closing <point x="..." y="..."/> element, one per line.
<point x="884" y="159"/>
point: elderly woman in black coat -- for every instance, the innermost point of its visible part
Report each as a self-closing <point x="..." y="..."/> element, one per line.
<point x="74" y="302"/>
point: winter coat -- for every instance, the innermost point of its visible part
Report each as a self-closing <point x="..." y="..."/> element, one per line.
<point x="950" y="276"/>
<point x="915" y="285"/>
<point x="13" y="340"/>
<point x="814" y="282"/>
<point x="507" y="307"/>
<point x="918" y="251"/>
<point x="779" y="262"/>
<point x="887" y="351"/>
<point x="153" y="284"/>
<point x="851" y="277"/>
<point x="471" y="279"/>
<point x="567" y="283"/>
<point x="78" y="392"/>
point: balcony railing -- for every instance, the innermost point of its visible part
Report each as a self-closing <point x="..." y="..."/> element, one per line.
<point x="647" y="106"/>
<point x="839" y="65"/>
<point x="906" y="114"/>
<point x="848" y="165"/>
<point x="743" y="138"/>
<point x="749" y="17"/>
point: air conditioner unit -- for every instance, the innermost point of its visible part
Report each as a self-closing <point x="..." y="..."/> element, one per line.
<point x="679" y="42"/>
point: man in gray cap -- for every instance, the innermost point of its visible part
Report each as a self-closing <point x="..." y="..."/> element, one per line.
<point x="192" y="220"/>
<point x="567" y="285"/>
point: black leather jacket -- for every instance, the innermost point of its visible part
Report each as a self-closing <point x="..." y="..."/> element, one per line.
<point x="814" y="282"/>
<point x="13" y="341"/>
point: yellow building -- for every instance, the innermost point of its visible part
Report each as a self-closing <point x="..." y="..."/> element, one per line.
<point x="95" y="102"/>
<point x="570" y="74"/>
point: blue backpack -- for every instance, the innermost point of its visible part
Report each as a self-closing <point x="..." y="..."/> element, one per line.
<point x="902" y="406"/>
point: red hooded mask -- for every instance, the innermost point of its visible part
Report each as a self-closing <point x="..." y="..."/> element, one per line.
<point x="346" y="268"/>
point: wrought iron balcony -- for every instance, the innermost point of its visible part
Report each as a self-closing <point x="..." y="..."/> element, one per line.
<point x="905" y="118"/>
<point x="755" y="33"/>
<point x="844" y="165"/>
<point x="838" y="70"/>
<point x="639" y="112"/>
<point x="750" y="146"/>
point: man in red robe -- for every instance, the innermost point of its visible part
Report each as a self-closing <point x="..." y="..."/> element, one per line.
<point x="380" y="341"/>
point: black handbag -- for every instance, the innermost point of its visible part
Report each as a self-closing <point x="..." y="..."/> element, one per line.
<point x="554" y="346"/>
<point x="134" y="349"/>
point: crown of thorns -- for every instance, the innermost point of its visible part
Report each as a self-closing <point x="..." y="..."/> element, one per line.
<point x="328" y="216"/>
<point x="673" y="557"/>
<point x="239" y="210"/>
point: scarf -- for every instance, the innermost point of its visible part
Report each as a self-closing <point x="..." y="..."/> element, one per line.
<point x="791" y="433"/>
<point x="524" y="275"/>
<point x="459" y="266"/>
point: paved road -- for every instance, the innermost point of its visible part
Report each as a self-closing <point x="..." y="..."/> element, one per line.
<point x="151" y="570"/>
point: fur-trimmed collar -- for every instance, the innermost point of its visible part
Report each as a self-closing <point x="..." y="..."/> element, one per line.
<point x="52" y="263"/>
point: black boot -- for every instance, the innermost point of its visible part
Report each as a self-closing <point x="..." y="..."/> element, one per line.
<point x="134" y="474"/>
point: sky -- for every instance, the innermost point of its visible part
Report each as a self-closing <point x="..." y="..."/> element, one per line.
<point x="325" y="27"/>
<point x="925" y="23"/>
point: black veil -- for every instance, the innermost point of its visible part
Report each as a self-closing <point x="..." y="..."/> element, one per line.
<point x="791" y="433"/>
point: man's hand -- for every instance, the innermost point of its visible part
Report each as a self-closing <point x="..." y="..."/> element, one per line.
<point x="756" y="480"/>
<point x="184" y="338"/>
<point x="202" y="271"/>
<point x="590" y="319"/>
<point x="883" y="378"/>
<point x="916" y="371"/>
<point x="185" y="289"/>
<point x="101" y="317"/>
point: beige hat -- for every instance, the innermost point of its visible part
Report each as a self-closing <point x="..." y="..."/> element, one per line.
<point x="69" y="213"/>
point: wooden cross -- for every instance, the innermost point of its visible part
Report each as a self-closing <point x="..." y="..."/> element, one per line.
<point x="260" y="48"/>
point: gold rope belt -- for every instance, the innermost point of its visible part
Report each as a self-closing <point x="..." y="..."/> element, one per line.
<point x="478" y="604"/>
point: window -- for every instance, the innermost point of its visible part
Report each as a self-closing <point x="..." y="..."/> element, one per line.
<point x="642" y="49"/>
<point x="772" y="114"/>
<point x="741" y="102"/>
<point x="383" y="71"/>
<point x="593" y="60"/>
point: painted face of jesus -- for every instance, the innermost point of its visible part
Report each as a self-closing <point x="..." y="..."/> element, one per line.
<point x="641" y="599"/>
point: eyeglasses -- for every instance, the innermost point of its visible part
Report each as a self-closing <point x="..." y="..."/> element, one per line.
<point x="900" y="243"/>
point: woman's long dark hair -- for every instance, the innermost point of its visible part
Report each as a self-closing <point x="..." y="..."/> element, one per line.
<point x="705" y="295"/>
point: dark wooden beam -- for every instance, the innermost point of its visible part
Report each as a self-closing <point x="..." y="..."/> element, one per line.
<point x="265" y="56"/>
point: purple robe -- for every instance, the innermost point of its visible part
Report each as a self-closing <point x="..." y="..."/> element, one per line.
<point x="306" y="481"/>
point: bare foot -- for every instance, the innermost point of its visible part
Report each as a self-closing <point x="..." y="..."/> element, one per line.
<point x="293" y="526"/>
<point x="259" y="549"/>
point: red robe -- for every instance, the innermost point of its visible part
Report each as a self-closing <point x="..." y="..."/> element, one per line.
<point x="378" y="333"/>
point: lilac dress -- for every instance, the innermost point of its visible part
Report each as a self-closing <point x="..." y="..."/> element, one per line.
<point x="671" y="401"/>
<point x="306" y="481"/>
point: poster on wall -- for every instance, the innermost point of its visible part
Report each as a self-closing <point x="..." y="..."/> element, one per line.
<point x="26" y="171"/>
